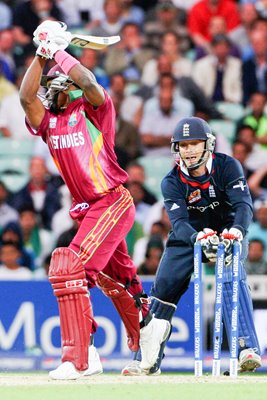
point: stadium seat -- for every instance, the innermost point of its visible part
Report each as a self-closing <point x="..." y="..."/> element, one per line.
<point x="230" y="111"/>
<point x="10" y="147"/>
<point x="225" y="128"/>
<point x="155" y="169"/>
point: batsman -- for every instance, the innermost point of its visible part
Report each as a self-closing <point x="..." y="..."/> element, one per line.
<point x="206" y="197"/>
<point x="76" y="119"/>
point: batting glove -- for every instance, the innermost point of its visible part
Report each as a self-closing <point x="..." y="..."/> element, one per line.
<point x="228" y="238"/>
<point x="209" y="243"/>
<point x="48" y="29"/>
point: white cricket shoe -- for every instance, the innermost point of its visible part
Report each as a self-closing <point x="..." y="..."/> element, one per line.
<point x="67" y="370"/>
<point x="249" y="360"/>
<point x="151" y="337"/>
<point x="94" y="363"/>
<point x="134" y="369"/>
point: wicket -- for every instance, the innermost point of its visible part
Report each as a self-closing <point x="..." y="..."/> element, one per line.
<point x="218" y="310"/>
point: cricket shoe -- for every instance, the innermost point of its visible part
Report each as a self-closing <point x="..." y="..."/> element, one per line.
<point x="134" y="369"/>
<point x="94" y="363"/>
<point x="249" y="361"/>
<point x="151" y="337"/>
<point x="67" y="370"/>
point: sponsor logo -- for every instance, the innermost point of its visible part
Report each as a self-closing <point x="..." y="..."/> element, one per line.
<point x="194" y="196"/>
<point x="174" y="207"/>
<point x="204" y="208"/>
<point x="53" y="122"/>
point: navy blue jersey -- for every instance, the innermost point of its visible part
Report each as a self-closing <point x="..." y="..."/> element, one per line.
<point x="218" y="200"/>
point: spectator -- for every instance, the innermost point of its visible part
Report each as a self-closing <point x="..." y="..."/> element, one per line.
<point x="86" y="14"/>
<point x="12" y="116"/>
<point x="240" y="35"/>
<point x="12" y="233"/>
<point x="39" y="193"/>
<point x="240" y="151"/>
<point x="160" y="116"/>
<point x="27" y="15"/>
<point x="6" y="16"/>
<point x="6" y="87"/>
<point x="131" y="105"/>
<point x="255" y="68"/>
<point x="136" y="173"/>
<point x="257" y="155"/>
<point x="127" y="139"/>
<point x="132" y="12"/>
<point x="258" y="183"/>
<point x="137" y="192"/>
<point x="256" y="117"/>
<point x="66" y="237"/>
<point x="129" y="56"/>
<point x="258" y="228"/>
<point x="112" y="21"/>
<point x="219" y="74"/>
<point x="255" y="263"/>
<point x="217" y="26"/>
<point x="154" y="251"/>
<point x="10" y="268"/>
<point x="200" y="14"/>
<point x="167" y="18"/>
<point x="184" y="86"/>
<point x="160" y="227"/>
<point x="7" y="47"/>
<point x="37" y="240"/>
<point x="170" y="47"/>
<point x="7" y="213"/>
<point x="91" y="59"/>
<point x="61" y="220"/>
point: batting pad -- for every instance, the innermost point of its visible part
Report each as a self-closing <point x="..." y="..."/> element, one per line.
<point x="67" y="276"/>
<point x="247" y="333"/>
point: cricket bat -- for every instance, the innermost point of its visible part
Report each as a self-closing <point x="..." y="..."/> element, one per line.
<point x="93" y="42"/>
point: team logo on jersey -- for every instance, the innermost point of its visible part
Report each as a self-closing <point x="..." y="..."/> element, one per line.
<point x="73" y="120"/>
<point x="52" y="122"/>
<point x="194" y="196"/>
<point x="186" y="130"/>
<point x="212" y="191"/>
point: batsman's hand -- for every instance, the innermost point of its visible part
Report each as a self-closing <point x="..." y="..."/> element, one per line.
<point x="209" y="243"/>
<point x="228" y="238"/>
<point x="51" y="36"/>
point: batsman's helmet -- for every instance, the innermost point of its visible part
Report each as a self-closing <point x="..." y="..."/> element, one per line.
<point x="58" y="83"/>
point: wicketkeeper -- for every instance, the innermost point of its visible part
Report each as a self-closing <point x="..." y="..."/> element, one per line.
<point x="78" y="125"/>
<point x="205" y="195"/>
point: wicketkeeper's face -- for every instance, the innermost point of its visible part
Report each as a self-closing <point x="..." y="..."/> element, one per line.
<point x="191" y="151"/>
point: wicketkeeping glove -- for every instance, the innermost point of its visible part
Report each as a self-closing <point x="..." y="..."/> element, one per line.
<point x="209" y="243"/>
<point x="228" y="240"/>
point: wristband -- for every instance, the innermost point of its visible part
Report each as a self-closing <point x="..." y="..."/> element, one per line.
<point x="65" y="61"/>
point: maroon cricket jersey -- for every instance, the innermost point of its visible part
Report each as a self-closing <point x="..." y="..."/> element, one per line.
<point x="81" y="141"/>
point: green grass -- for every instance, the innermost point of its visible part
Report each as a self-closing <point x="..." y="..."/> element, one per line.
<point x="207" y="390"/>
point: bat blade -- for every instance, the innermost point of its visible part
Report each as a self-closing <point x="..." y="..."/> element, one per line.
<point x="93" y="42"/>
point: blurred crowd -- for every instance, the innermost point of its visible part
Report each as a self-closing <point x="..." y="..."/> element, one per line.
<point x="176" y="59"/>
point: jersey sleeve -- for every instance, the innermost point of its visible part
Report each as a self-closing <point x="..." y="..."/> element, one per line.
<point x="175" y="204"/>
<point x="238" y="193"/>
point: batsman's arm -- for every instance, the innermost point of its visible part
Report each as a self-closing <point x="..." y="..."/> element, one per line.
<point x="86" y="80"/>
<point x="32" y="105"/>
